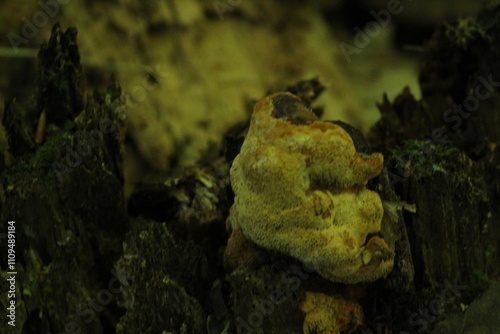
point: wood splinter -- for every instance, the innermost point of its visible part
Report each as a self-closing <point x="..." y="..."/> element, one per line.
<point x="40" y="129"/>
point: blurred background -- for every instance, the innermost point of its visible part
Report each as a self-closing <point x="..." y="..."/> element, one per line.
<point x="190" y="69"/>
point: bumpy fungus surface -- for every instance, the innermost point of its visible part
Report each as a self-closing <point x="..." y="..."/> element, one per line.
<point x="300" y="190"/>
<point x="329" y="314"/>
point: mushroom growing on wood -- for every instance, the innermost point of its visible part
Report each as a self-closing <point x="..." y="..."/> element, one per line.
<point x="300" y="189"/>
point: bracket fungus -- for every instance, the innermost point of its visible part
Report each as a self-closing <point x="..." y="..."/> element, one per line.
<point x="300" y="189"/>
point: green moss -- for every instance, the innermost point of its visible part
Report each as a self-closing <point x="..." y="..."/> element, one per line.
<point x="48" y="152"/>
<point x="424" y="154"/>
<point x="463" y="31"/>
<point x="478" y="280"/>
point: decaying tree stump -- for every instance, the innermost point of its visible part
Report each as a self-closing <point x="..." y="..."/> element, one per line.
<point x="63" y="187"/>
<point x="442" y="156"/>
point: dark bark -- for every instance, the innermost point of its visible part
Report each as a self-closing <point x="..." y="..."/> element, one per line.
<point x="65" y="196"/>
<point x="442" y="156"/>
